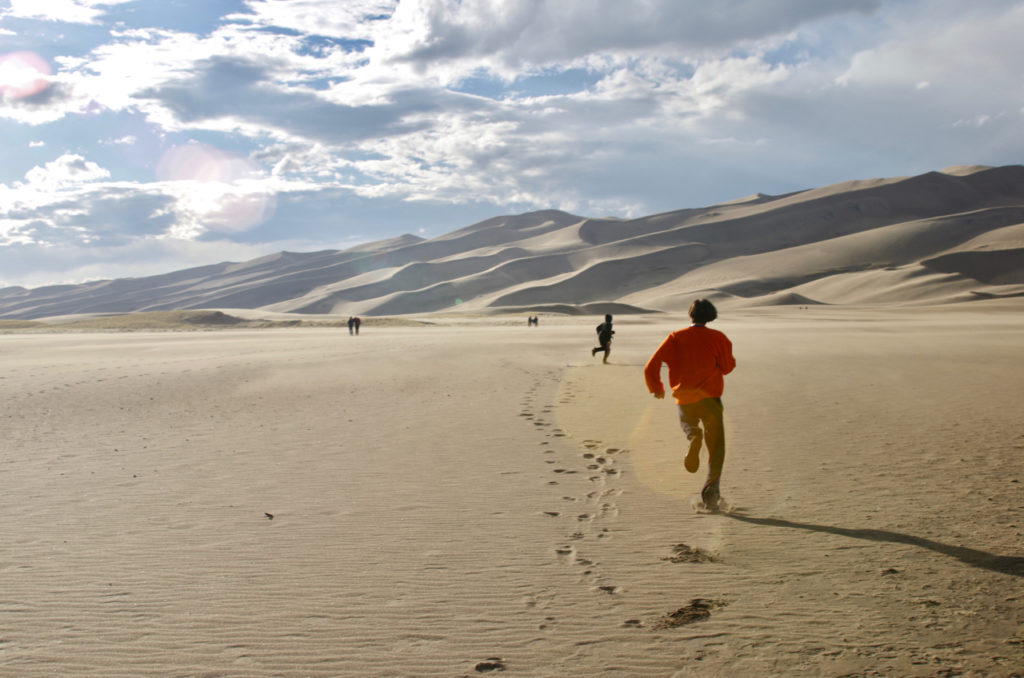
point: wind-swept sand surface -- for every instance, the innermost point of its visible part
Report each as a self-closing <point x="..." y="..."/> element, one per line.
<point x="456" y="500"/>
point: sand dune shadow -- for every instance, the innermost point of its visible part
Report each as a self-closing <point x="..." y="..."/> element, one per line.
<point x="1012" y="565"/>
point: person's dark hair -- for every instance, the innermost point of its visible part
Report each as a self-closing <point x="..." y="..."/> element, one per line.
<point x="702" y="311"/>
<point x="608" y="317"/>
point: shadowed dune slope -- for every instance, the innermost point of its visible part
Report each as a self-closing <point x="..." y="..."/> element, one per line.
<point x="955" y="235"/>
<point x="1001" y="267"/>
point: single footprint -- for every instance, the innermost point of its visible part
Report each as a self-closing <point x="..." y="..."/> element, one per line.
<point x="683" y="553"/>
<point x="492" y="664"/>
<point x="699" y="609"/>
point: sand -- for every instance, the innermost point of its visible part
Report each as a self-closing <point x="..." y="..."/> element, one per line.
<point x="466" y="498"/>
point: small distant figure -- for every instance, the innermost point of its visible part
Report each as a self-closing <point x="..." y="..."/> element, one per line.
<point x="351" y="325"/>
<point x="698" y="358"/>
<point x="532" y="321"/>
<point x="356" y="322"/>
<point x="604" y="338"/>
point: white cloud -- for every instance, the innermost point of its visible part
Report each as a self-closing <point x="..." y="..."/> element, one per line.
<point x="972" y="56"/>
<point x="352" y="19"/>
<point x="22" y="75"/>
<point x="509" y="36"/>
<point x="71" y="11"/>
<point x="200" y="191"/>
<point x="186" y="81"/>
<point x="115" y="72"/>
<point x="69" y="170"/>
<point x="204" y="206"/>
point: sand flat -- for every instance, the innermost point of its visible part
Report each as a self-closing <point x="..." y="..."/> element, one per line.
<point x="452" y="500"/>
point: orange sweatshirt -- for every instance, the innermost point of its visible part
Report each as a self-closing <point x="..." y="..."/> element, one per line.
<point x="697" y="359"/>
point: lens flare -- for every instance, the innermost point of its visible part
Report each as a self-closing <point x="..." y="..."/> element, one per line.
<point x="240" y="211"/>
<point x="222" y="191"/>
<point x="199" y="162"/>
<point x="23" y="74"/>
<point x="647" y="428"/>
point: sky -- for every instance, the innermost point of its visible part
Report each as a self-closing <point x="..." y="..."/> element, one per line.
<point x="140" y="137"/>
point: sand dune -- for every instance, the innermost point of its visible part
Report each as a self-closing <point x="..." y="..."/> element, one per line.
<point x="999" y="267"/>
<point x="964" y="223"/>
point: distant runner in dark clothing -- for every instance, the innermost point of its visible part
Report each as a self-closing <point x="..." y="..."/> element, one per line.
<point x="604" y="337"/>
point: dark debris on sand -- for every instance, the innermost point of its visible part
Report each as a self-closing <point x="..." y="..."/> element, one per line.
<point x="492" y="664"/>
<point x="699" y="609"/>
<point x="683" y="553"/>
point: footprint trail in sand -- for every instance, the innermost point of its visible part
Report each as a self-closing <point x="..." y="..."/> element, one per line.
<point x="589" y="509"/>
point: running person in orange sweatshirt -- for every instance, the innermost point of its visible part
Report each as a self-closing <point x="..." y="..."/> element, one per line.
<point x="697" y="359"/>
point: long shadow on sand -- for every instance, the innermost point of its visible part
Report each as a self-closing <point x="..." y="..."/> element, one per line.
<point x="1013" y="565"/>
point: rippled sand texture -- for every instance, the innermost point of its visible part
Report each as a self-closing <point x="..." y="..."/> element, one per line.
<point x="461" y="500"/>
